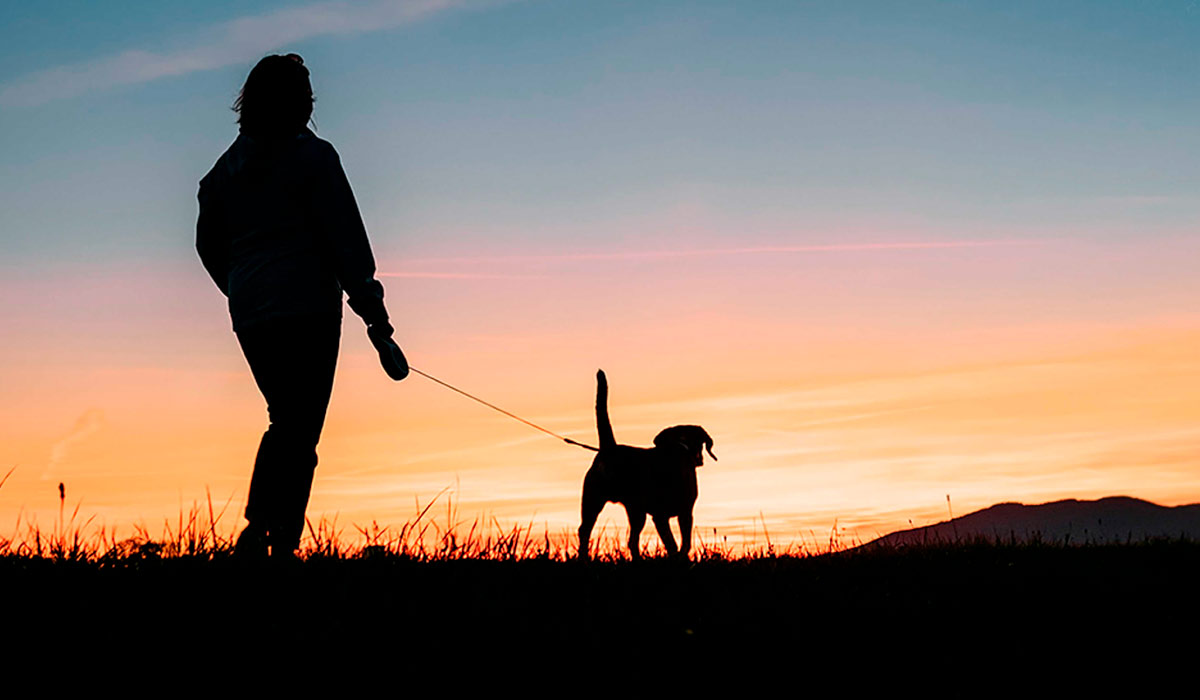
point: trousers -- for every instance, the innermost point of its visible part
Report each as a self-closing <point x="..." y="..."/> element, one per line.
<point x="293" y="361"/>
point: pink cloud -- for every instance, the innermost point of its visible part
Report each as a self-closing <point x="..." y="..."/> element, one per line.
<point x="751" y="250"/>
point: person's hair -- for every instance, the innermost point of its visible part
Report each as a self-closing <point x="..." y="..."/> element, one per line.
<point x="277" y="99"/>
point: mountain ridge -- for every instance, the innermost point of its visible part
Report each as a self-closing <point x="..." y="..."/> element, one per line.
<point x="1108" y="520"/>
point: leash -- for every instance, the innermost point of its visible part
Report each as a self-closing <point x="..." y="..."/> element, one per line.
<point x="494" y="407"/>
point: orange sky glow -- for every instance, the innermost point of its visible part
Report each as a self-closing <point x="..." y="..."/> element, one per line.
<point x="850" y="384"/>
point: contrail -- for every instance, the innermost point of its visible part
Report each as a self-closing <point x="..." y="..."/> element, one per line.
<point x="754" y="250"/>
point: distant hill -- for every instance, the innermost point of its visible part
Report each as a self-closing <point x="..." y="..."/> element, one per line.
<point x="1107" y="520"/>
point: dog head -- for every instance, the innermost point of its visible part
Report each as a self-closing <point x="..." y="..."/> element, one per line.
<point x="688" y="440"/>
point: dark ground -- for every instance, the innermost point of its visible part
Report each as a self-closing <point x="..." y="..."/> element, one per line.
<point x="1022" y="601"/>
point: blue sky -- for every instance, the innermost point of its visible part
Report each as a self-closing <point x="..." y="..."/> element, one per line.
<point x="557" y="123"/>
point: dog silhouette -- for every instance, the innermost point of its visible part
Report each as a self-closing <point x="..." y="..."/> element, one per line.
<point x="658" y="481"/>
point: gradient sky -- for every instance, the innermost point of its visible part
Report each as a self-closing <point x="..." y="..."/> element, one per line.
<point x="884" y="252"/>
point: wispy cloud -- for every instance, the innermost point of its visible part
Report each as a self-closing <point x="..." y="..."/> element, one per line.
<point x="457" y="276"/>
<point x="718" y="252"/>
<point x="239" y="40"/>
<point x="91" y="422"/>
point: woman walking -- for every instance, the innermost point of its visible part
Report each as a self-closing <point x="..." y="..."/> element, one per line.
<point x="280" y="234"/>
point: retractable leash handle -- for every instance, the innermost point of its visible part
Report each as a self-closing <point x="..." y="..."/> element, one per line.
<point x="390" y="355"/>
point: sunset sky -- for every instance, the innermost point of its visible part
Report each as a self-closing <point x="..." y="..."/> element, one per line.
<point x="884" y="252"/>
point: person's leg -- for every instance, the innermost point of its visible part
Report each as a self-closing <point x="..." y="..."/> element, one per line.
<point x="293" y="363"/>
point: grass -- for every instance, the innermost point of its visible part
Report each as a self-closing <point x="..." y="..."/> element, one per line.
<point x="439" y="585"/>
<point x="436" y="532"/>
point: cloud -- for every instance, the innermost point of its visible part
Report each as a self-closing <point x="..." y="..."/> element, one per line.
<point x="88" y="424"/>
<point x="719" y="252"/>
<point x="237" y="41"/>
<point x="457" y="276"/>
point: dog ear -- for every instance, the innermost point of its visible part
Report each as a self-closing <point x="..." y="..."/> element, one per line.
<point x="668" y="437"/>
<point x="691" y="439"/>
<point x="673" y="438"/>
<point x="708" y="442"/>
<point x="702" y="438"/>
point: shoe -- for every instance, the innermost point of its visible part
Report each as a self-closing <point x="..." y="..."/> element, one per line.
<point x="252" y="543"/>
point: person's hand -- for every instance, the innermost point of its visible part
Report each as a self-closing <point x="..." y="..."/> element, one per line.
<point x="390" y="355"/>
<point x="380" y="331"/>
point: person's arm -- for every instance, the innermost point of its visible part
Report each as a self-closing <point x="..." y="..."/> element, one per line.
<point x="212" y="238"/>
<point x="353" y="261"/>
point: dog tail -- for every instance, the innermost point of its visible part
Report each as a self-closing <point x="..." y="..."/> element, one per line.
<point x="603" y="424"/>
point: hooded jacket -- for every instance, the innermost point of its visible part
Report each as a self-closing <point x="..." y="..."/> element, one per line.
<point x="280" y="233"/>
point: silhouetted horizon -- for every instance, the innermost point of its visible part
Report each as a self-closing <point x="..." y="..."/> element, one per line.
<point x="1108" y="520"/>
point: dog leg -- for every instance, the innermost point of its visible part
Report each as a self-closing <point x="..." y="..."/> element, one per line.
<point x="663" y="525"/>
<point x="637" y="521"/>
<point x="589" y="511"/>
<point x="685" y="533"/>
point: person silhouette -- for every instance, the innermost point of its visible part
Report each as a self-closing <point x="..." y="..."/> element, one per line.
<point x="280" y="234"/>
